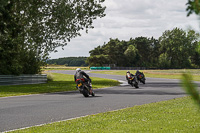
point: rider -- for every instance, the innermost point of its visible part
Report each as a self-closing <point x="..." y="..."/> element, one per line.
<point x="128" y="76"/>
<point x="81" y="75"/>
<point x="138" y="73"/>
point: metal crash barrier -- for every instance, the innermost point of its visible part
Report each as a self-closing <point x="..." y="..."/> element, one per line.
<point x="118" y="68"/>
<point x="23" y="79"/>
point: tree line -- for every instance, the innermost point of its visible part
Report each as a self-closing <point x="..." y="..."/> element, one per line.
<point x="69" y="61"/>
<point x="174" y="49"/>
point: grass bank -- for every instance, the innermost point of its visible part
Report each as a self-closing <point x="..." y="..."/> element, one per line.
<point x="177" y="115"/>
<point x="169" y="74"/>
<point x="60" y="83"/>
<point x="61" y="67"/>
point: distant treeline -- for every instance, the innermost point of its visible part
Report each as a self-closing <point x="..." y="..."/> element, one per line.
<point x="174" y="49"/>
<point x="69" y="61"/>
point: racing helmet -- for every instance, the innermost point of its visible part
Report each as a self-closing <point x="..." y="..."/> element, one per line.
<point x="78" y="69"/>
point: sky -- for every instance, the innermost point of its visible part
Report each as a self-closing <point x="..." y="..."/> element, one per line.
<point x="127" y="19"/>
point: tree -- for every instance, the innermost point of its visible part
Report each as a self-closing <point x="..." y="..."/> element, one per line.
<point x="164" y="61"/>
<point x="193" y="37"/>
<point x="42" y="25"/>
<point x="96" y="51"/>
<point x="154" y="52"/>
<point x="51" y="23"/>
<point x="196" y="57"/>
<point x="110" y="53"/>
<point x="9" y="41"/>
<point x="193" y="6"/>
<point x="145" y="48"/>
<point x="132" y="55"/>
<point x="111" y="49"/>
<point x="178" y="47"/>
<point x="98" y="60"/>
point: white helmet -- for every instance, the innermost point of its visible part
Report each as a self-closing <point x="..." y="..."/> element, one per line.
<point x="78" y="69"/>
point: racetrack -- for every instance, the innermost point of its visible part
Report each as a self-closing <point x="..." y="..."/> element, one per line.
<point x="25" y="111"/>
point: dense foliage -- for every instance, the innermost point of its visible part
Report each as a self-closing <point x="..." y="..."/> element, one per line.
<point x="174" y="49"/>
<point x="193" y="6"/>
<point x="69" y="61"/>
<point x="30" y="29"/>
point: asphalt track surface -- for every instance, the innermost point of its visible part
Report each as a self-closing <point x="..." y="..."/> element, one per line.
<point x="25" y="111"/>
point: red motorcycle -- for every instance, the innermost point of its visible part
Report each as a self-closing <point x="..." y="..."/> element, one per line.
<point x="85" y="87"/>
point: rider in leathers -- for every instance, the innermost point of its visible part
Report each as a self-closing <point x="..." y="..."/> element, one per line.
<point x="138" y="73"/>
<point x="128" y="74"/>
<point x="81" y="75"/>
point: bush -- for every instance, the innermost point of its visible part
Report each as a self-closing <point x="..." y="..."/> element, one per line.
<point x="49" y="77"/>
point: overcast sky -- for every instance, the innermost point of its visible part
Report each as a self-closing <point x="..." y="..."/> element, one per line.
<point x="127" y="19"/>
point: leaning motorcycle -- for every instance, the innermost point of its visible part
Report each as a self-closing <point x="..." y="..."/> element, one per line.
<point x="85" y="88"/>
<point x="133" y="81"/>
<point x="141" y="77"/>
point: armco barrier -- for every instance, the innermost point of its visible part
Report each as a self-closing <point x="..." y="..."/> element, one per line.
<point x="23" y="79"/>
<point x="128" y="68"/>
<point x="99" y="68"/>
<point x="117" y="68"/>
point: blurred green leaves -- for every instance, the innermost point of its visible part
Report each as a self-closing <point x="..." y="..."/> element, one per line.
<point x="193" y="6"/>
<point x="190" y="88"/>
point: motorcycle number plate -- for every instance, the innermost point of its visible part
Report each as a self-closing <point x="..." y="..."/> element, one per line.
<point x="79" y="84"/>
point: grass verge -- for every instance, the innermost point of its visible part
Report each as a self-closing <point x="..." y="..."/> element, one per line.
<point x="169" y="74"/>
<point x="61" y="67"/>
<point x="177" y="115"/>
<point x="60" y="83"/>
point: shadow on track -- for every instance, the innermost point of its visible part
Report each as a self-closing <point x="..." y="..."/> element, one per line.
<point x="150" y="88"/>
<point x="138" y="92"/>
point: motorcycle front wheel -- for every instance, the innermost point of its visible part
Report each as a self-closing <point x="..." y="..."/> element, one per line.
<point x="136" y="85"/>
<point x="93" y="94"/>
<point x="143" y="81"/>
<point x="85" y="93"/>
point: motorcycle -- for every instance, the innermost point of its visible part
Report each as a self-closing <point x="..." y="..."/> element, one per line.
<point x="133" y="81"/>
<point x="85" y="87"/>
<point x="141" y="77"/>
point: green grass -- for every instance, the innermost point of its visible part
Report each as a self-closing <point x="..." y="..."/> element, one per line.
<point x="177" y="115"/>
<point x="61" y="82"/>
<point x="169" y="74"/>
<point x="61" y="67"/>
<point x="178" y="71"/>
